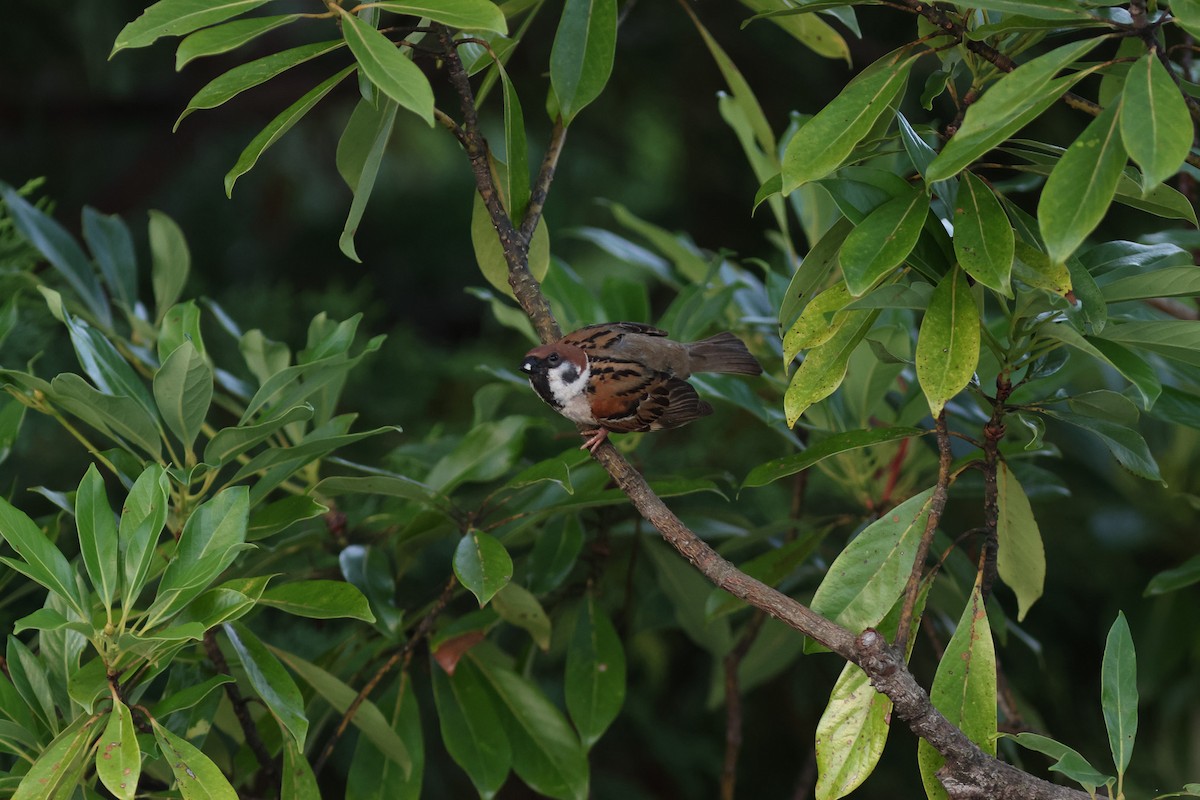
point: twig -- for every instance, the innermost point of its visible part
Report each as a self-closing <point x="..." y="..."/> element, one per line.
<point x="993" y="432"/>
<point x="249" y="729"/>
<point x="937" y="504"/>
<point x="404" y="654"/>
<point x="733" y="703"/>
<point x="541" y="186"/>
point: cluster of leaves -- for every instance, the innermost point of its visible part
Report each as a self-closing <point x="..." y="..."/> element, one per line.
<point x="926" y="283"/>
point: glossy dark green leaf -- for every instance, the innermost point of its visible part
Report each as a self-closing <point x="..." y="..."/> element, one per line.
<point x="825" y="142"/>
<point x="595" y="673"/>
<point x="1132" y="367"/>
<point x="1173" y="338"/>
<point x="229" y="36"/>
<point x="176" y="18"/>
<point x="1081" y="186"/>
<point x="485" y="453"/>
<point x="771" y="567"/>
<point x="582" y="56"/>
<point x="42" y="560"/>
<point x="1119" y="693"/>
<point x="471" y="14"/>
<point x="170" y="261"/>
<point x="1007" y="106"/>
<point x="387" y="67"/>
<point x="60" y="249"/>
<point x="229" y="85"/>
<point x="471" y="727"/>
<point x="280" y="125"/>
<point x="183" y="389"/>
<point x="1042" y="9"/>
<point x="56" y="773"/>
<point x="142" y="518"/>
<point x="373" y="776"/>
<point x="778" y="468"/>
<point x="359" y="156"/>
<point x="270" y="680"/>
<point x="964" y="689"/>
<point x="1155" y="124"/>
<point x="482" y="565"/>
<point x="948" y="343"/>
<point x="1168" y="282"/>
<point x="1107" y="414"/>
<point x="299" y="782"/>
<point x="883" y="240"/>
<point x="114" y="416"/>
<point x="369" y="720"/>
<point x="983" y="237"/>
<point x="180" y="324"/>
<point x="211" y="539"/>
<point x="516" y="151"/>
<point x="118" y="758"/>
<point x="229" y="443"/>
<point x="98" y="536"/>
<point x="196" y="776"/>
<point x="111" y="244"/>
<point x="863" y="582"/>
<point x="824" y="367"/>
<point x="813" y="272"/>
<point x="554" y="553"/>
<point x="31" y="680"/>
<point x="1021" y="560"/>
<point x="688" y="592"/>
<point x="546" y="752"/>
<point x="1176" y="578"/>
<point x="317" y="444"/>
<point x="319" y="599"/>
<point x="272" y="518"/>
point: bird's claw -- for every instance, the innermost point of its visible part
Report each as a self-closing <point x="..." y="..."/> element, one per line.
<point x="594" y="440"/>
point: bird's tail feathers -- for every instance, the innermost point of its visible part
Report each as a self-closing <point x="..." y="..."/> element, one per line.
<point x="723" y="353"/>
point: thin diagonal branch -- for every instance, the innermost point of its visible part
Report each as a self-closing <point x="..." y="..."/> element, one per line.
<point x="733" y="704"/>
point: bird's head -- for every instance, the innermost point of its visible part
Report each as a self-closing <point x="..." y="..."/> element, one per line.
<point x="557" y="372"/>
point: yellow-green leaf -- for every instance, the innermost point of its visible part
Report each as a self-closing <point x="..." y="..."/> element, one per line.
<point x="824" y="367"/>
<point x="1021" y="560"/>
<point x="948" y="342"/>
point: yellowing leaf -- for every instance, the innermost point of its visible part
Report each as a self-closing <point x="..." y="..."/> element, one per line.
<point x="948" y="342"/>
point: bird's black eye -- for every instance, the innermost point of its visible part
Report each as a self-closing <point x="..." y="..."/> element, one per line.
<point x="553" y="359"/>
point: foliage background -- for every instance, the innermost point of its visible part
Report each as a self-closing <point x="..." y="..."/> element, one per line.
<point x="100" y="133"/>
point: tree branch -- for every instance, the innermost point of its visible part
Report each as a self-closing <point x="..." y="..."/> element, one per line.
<point x="249" y="729"/>
<point x="733" y="704"/>
<point x="993" y="432"/>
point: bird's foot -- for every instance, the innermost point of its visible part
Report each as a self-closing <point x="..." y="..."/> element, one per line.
<point x="594" y="440"/>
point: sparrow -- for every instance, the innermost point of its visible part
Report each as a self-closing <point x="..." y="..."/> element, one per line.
<point x="623" y="377"/>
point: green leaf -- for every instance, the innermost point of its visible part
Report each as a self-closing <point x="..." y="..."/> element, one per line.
<point x="176" y="18"/>
<point x="964" y="690"/>
<point x="1176" y="578"/>
<point x="1168" y="282"/>
<point x="12" y="414"/>
<point x="319" y="599"/>
<point x="189" y="697"/>
<point x="281" y="514"/>
<point x="554" y="553"/>
<point x="688" y="593"/>
<point x="230" y="36"/>
<point x="98" y="536"/>
<point x="824" y="367"/>
<point x="863" y="582"/>
<point x="850" y="735"/>
<point x="516" y="151"/>
<point x="280" y="125"/>
<point x="387" y="67"/>
<point x="119" y="759"/>
<point x="772" y="471"/>
<point x="1095" y="412"/>
<point x="229" y="85"/>
<point x="1133" y="368"/>
<point x="1007" y="106"/>
<point x="948" y="343"/>
<point x="59" y="248"/>
<point x="373" y="776"/>
<point x="170" y="261"/>
<point x="211" y="539"/>
<point x="390" y="485"/>
<point x="299" y="782"/>
<point x="1033" y="267"/>
<point x="1040" y="9"/>
<point x="471" y="727"/>
<point x="595" y="673"/>
<point x="196" y="776"/>
<point x="270" y="680"/>
<point x="581" y="58"/>
<point x="983" y="237"/>
<point x="369" y="720"/>
<point x="229" y="443"/>
<point x="812" y="273"/>
<point x="142" y="518"/>
<point x="359" y="156"/>
<point x="112" y="247"/>
<point x="1069" y="763"/>
<point x="486" y="453"/>
<point x="489" y="253"/>
<point x="546" y="752"/>
<point x="180" y="324"/>
<point x="825" y="142"/>
<point x="1175" y="339"/>
<point x="30" y="678"/>
<point x="808" y="29"/>
<point x="482" y="565"/>
<point x="481" y="15"/>
<point x="183" y="389"/>
<point x="1081" y="186"/>
<point x="821" y="319"/>
<point x="42" y="561"/>
<point x="771" y="567"/>
<point x="57" y="772"/>
<point x="1155" y="124"/>
<point x="1118" y="692"/>
<point x="1021" y="560"/>
<point x="883" y="240"/>
<point x="516" y="605"/>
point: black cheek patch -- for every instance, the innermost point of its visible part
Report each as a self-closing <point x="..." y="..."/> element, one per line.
<point x="570" y="373"/>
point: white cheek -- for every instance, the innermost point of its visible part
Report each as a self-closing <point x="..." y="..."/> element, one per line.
<point x="573" y="396"/>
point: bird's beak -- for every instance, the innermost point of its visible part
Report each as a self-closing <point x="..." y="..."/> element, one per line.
<point x="527" y="365"/>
